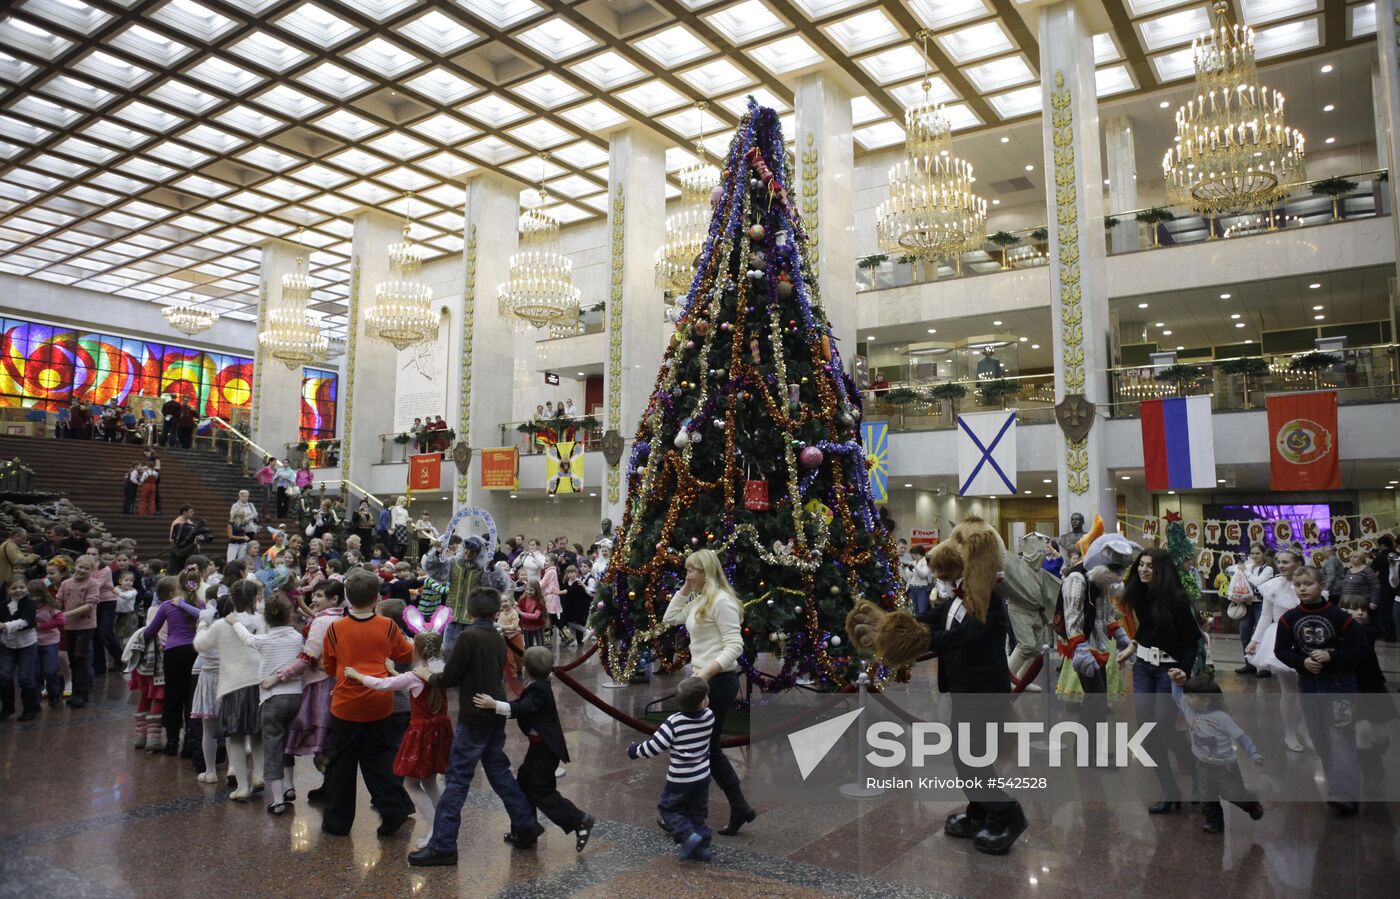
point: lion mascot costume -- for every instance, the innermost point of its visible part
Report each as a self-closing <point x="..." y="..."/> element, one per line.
<point x="966" y="631"/>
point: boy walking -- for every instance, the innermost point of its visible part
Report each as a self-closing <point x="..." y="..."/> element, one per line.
<point x="685" y="800"/>
<point x="361" y="734"/>
<point x="475" y="665"/>
<point x="539" y="720"/>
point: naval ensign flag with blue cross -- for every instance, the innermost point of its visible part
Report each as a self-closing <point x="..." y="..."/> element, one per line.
<point x="987" y="454"/>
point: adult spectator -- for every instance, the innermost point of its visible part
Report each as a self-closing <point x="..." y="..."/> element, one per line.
<point x="1382" y="611"/>
<point x="265" y="477"/>
<point x="184" y="538"/>
<point x="76" y="543"/>
<point x="170" y="422"/>
<point x="242" y="526"/>
<point x="188" y="419"/>
<point x="15" y="555"/>
<point x="285" y="479"/>
<point x="153" y="468"/>
<point x="77" y="596"/>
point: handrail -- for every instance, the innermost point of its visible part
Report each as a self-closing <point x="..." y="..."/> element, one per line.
<point x="1131" y="214"/>
<point x="241" y="436"/>
<point x="1204" y="362"/>
<point x="346" y="482"/>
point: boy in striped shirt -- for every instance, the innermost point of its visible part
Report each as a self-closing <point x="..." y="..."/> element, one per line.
<point x="685" y="800"/>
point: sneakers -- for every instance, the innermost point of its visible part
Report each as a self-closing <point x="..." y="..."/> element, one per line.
<point x="688" y="847"/>
<point x="207" y="777"/>
<point x="242" y="794"/>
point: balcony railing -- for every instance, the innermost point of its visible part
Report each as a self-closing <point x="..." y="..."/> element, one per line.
<point x="531" y="437"/>
<point x="1140" y="230"/>
<point x="1360" y="375"/>
<point x="321" y="453"/>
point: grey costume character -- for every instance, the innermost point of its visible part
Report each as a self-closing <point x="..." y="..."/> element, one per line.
<point x="1031" y="592"/>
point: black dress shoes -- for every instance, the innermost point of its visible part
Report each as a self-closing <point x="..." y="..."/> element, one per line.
<point x="738" y="817"/>
<point x="1246" y="668"/>
<point x="428" y="857"/>
<point x="964" y="825"/>
<point x="1165" y="806"/>
<point x="1000" y="832"/>
<point x="524" y="839"/>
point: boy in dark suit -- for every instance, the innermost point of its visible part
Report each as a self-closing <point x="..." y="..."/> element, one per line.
<point x="539" y="720"/>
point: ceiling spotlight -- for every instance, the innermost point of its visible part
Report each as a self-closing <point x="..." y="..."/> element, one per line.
<point x="1025" y="339"/>
<point x="1224" y="296"/>
<point x="1165" y="104"/>
<point x="1239" y="324"/>
<point x="1030" y="168"/>
<point x="1006" y="140"/>
<point x="1317" y="309"/>
<point x="1046" y="481"/>
<point x="1318" y="318"/>
<point x="1314" y="286"/>
<point x="581" y="374"/>
<point x="1167" y="333"/>
<point x="1171" y="493"/>
<point x="996" y="202"/>
<point x="1035" y="346"/>
<point x="1235" y="316"/>
<point x="1327" y="68"/>
<point x="996" y="324"/>
<point x="1142" y="305"/>
<point x="1105" y="181"/>
<point x="1159" y="324"/>
<point x="1180" y="348"/>
<point x="1219" y="480"/>
<point x="908" y="485"/>
<point x="1125" y="478"/>
<point x="933" y="330"/>
<point x="1330" y="140"/>
<point x="1328" y="108"/>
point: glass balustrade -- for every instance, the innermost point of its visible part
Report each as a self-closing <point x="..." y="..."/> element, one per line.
<point x="1310" y="204"/>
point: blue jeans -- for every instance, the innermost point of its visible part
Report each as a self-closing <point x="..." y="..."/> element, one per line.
<point x="471" y="744"/>
<point x="1152" y="702"/>
<point x="51" y="673"/>
<point x="454" y="630"/>
<point x="920" y="596"/>
<point x="1332" y="726"/>
<point x="24" y="662"/>
<point x="1248" y="623"/>
<point x="684" y="807"/>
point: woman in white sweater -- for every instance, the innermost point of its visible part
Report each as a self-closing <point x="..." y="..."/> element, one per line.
<point x="712" y="615"/>
<point x="239" y="717"/>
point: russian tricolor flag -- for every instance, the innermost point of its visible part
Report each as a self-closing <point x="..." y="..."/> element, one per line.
<point x="1178" y="448"/>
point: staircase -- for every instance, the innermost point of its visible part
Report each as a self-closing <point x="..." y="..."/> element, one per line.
<point x="90" y="473"/>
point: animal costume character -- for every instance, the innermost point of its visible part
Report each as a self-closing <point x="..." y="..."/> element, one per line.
<point x="1031" y="592"/>
<point x="1089" y="626"/>
<point x="967" y="632"/>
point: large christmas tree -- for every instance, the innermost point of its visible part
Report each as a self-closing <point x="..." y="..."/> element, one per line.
<point x="750" y="445"/>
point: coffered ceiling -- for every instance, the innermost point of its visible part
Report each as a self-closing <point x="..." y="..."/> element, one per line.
<point x="147" y="147"/>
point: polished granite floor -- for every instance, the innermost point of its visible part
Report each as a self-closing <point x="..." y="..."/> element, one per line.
<point x="83" y="814"/>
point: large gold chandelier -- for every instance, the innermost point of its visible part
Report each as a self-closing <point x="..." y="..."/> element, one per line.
<point x="540" y="288"/>
<point x="687" y="229"/>
<point x="402" y="314"/>
<point x="1233" y="151"/>
<point x="289" y="334"/>
<point x="931" y="210"/>
<point x="190" y="318"/>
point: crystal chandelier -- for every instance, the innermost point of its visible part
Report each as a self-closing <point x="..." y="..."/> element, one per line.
<point x="931" y="210"/>
<point x="1233" y="151"/>
<point x="289" y="334"/>
<point x="687" y="229"/>
<point x="402" y="314"/>
<point x="540" y="288"/>
<point x="190" y="318"/>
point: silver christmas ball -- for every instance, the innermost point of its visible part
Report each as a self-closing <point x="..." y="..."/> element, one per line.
<point x="695" y="436"/>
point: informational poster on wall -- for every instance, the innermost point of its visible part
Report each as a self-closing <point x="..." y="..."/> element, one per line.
<point x="925" y="537"/>
<point x="420" y="388"/>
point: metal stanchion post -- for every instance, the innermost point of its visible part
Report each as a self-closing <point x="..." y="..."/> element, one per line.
<point x="859" y="790"/>
<point x="1042" y="744"/>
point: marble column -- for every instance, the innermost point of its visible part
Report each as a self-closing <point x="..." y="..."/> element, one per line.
<point x="1388" y="113"/>
<point x="492" y="346"/>
<point x="635" y="329"/>
<point x="1078" y="277"/>
<point x="1121" y="172"/>
<point x="276" y="388"/>
<point x="825" y="185"/>
<point x="371" y="365"/>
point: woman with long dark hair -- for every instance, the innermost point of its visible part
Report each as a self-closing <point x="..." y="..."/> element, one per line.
<point x="184" y="538"/>
<point x="1166" y="637"/>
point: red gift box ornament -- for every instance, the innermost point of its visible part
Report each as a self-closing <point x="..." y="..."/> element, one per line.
<point x="756" y="494"/>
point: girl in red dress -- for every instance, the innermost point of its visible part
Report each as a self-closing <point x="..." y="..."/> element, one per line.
<point x="427" y="743"/>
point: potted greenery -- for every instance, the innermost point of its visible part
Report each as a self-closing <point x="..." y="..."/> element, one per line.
<point x="915" y="267"/>
<point x="870" y="264"/>
<point x="1005" y="240"/>
<point x="1334" y="188"/>
<point x="1179" y="376"/>
<point x="1245" y="368"/>
<point x="948" y="393"/>
<point x="1040" y="235"/>
<point x="1154" y="217"/>
<point x="997" y="392"/>
<point x="401" y="439"/>
<point x="1314" y="363"/>
<point x="1111" y="222"/>
<point x="903" y="396"/>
